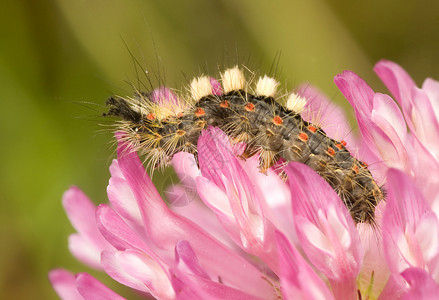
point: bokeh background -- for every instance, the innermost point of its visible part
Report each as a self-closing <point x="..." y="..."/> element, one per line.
<point x="61" y="59"/>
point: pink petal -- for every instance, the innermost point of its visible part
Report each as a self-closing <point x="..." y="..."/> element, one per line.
<point x="390" y="138"/>
<point x="421" y="285"/>
<point x="275" y="195"/>
<point x="424" y="164"/>
<point x="431" y="87"/>
<point x="399" y="83"/>
<point x="123" y="201"/>
<point x="298" y="279"/>
<point x="138" y="271"/>
<point x="357" y="92"/>
<point x="204" y="217"/>
<point x="325" y="228"/>
<point x="386" y="109"/>
<point x="81" y="212"/>
<point x="186" y="168"/>
<point x="193" y="287"/>
<point x="64" y="284"/>
<point x="165" y="229"/>
<point x="410" y="228"/>
<point x="425" y="121"/>
<point x="192" y="282"/>
<point x="381" y="124"/>
<point x="115" y="169"/>
<point x="85" y="251"/>
<point x="395" y="287"/>
<point x="254" y="230"/>
<point x="117" y="232"/>
<point x="92" y="289"/>
<point x="187" y="259"/>
<point x="361" y="97"/>
<point x="216" y="87"/>
<point x="180" y="196"/>
<point x="374" y="272"/>
<point x="164" y="96"/>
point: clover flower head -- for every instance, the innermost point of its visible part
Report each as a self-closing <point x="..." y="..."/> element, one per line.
<point x="232" y="232"/>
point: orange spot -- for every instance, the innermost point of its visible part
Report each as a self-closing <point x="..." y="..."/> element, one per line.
<point x="180" y="132"/>
<point x="199" y="112"/>
<point x="312" y="128"/>
<point x="363" y="164"/>
<point x="277" y="120"/>
<point x="355" y="169"/>
<point x="339" y="146"/>
<point x="180" y="115"/>
<point x="150" y="116"/>
<point x="343" y="142"/>
<point x="249" y="107"/>
<point x="303" y="136"/>
<point x="331" y="151"/>
<point x="224" y="104"/>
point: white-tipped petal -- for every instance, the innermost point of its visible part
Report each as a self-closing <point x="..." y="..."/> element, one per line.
<point x="266" y="86"/>
<point x="233" y="79"/>
<point x="201" y="87"/>
<point x="296" y="103"/>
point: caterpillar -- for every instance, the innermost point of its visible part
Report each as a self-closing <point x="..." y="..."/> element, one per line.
<point x="159" y="129"/>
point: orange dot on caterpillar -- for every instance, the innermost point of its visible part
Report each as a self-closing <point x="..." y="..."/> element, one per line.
<point x="303" y="136"/>
<point x="277" y="120"/>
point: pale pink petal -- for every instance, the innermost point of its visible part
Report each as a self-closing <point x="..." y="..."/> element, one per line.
<point x="84" y="251"/>
<point x="386" y="109"/>
<point x="361" y="97"/>
<point x="390" y="138"/>
<point x="275" y="195"/>
<point x="216" y="87"/>
<point x="254" y="230"/>
<point x="424" y="164"/>
<point x="357" y="92"/>
<point x="374" y="272"/>
<point x="81" y="213"/>
<point x="165" y="229"/>
<point x="179" y="196"/>
<point x="191" y="287"/>
<point x="117" y="232"/>
<point x="186" y="168"/>
<point x="64" y="283"/>
<point x="410" y="228"/>
<point x="191" y="281"/>
<point x="425" y="121"/>
<point x="431" y="87"/>
<point x="202" y="215"/>
<point x="324" y="226"/>
<point x="395" y="287"/>
<point x="376" y="114"/>
<point x="421" y="285"/>
<point x="123" y="201"/>
<point x="399" y="83"/>
<point x="164" y="96"/>
<point x="92" y="289"/>
<point x="115" y="169"/>
<point x="214" y="197"/>
<point x="298" y="279"/>
<point x="138" y="271"/>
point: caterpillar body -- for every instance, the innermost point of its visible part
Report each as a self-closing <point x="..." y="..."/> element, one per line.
<point x="159" y="129"/>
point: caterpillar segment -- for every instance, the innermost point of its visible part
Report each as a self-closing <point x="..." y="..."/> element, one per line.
<point x="252" y="116"/>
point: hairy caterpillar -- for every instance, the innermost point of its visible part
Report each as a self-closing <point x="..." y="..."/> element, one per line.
<point x="159" y="130"/>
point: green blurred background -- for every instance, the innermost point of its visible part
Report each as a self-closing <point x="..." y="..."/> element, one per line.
<point x="55" y="54"/>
